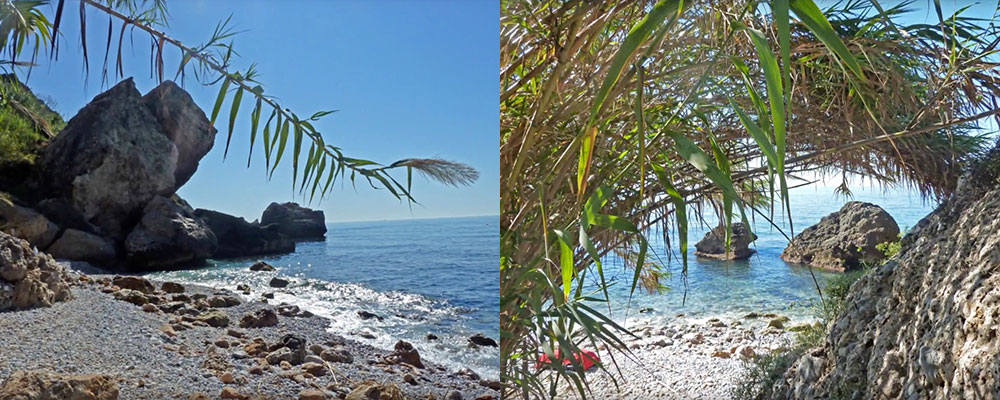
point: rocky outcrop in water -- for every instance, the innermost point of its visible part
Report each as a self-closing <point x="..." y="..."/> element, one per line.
<point x="845" y="239"/>
<point x="169" y="234"/>
<point x="239" y="238"/>
<point x="923" y="325"/>
<point x="713" y="245"/>
<point x="295" y="221"/>
<point x="28" y="279"/>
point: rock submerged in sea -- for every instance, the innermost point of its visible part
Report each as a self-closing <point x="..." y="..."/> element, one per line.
<point x="480" y="340"/>
<point x="261" y="266"/>
<point x="845" y="239"/>
<point x="295" y="221"/>
<point x="713" y="245"/>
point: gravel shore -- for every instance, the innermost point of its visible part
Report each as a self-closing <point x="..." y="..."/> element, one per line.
<point x="684" y="359"/>
<point x="94" y="333"/>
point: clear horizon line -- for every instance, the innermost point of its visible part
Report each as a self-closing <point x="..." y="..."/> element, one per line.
<point x="412" y="219"/>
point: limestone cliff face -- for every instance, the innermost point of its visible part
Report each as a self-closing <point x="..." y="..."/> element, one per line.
<point x="926" y="325"/>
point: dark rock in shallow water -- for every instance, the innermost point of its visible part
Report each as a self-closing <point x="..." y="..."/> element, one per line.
<point x="239" y="238"/>
<point x="110" y="160"/>
<point x="261" y="266"/>
<point x="713" y="245"/>
<point x="844" y="239"/>
<point x="480" y="340"/>
<point x="368" y="315"/>
<point x="82" y="246"/>
<point x="169" y="234"/>
<point x="28" y="279"/>
<point x="278" y="282"/>
<point x="184" y="123"/>
<point x="295" y="221"/>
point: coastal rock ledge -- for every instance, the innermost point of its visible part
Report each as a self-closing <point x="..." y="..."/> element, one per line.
<point x="845" y="239"/>
<point x="295" y="221"/>
<point x="923" y="325"/>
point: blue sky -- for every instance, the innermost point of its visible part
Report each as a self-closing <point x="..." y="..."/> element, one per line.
<point x="411" y="79"/>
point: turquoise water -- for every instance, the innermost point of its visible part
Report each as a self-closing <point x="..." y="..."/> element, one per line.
<point x="763" y="283"/>
<point x="422" y="276"/>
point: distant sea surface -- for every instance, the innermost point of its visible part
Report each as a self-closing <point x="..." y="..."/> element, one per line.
<point x="763" y="283"/>
<point x="431" y="276"/>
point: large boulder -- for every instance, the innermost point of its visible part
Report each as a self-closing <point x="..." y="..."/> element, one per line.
<point x="845" y="239"/>
<point x="26" y="224"/>
<point x="295" y="221"/>
<point x="169" y="234"/>
<point x="29" y="279"/>
<point x="239" y="238"/>
<point x="184" y="123"/>
<point x="35" y="385"/>
<point x="923" y="325"/>
<point x="111" y="159"/>
<point x="78" y="245"/>
<point x="713" y="245"/>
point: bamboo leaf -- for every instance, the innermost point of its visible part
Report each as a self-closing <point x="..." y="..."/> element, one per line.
<point x="233" y="110"/>
<point x="254" y="120"/>
<point x="565" y="261"/>
<point x="698" y="159"/>
<point x="219" y="99"/>
<point x="282" y="141"/>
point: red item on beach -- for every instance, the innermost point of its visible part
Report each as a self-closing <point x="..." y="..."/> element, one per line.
<point x="586" y="358"/>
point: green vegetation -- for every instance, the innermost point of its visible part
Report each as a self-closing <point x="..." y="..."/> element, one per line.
<point x="621" y="118"/>
<point x="25" y="122"/>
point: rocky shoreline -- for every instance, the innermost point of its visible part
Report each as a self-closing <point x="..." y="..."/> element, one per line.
<point x="686" y="358"/>
<point x="153" y="339"/>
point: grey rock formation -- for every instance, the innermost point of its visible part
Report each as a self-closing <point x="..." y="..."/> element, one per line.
<point x="184" y="123"/>
<point x="168" y="234"/>
<point x="923" y="325"/>
<point x="82" y="246"/>
<point x="295" y="221"/>
<point x="239" y="238"/>
<point x="28" y="279"/>
<point x="713" y="245"/>
<point x="111" y="159"/>
<point x="845" y="239"/>
<point x="26" y="224"/>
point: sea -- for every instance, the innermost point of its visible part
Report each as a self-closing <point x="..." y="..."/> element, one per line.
<point x="423" y="276"/>
<point x="763" y="283"/>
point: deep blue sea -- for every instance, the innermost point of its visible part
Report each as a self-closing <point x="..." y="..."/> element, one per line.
<point x="763" y="283"/>
<point x="425" y="276"/>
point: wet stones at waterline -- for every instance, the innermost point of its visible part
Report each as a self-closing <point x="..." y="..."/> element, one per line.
<point x="845" y="239"/>
<point x="713" y="245"/>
